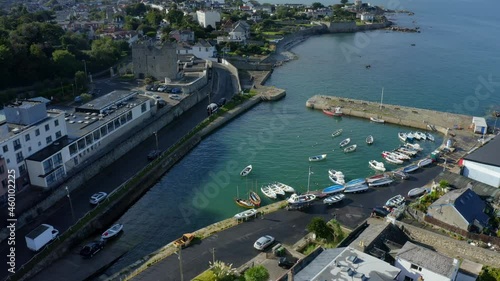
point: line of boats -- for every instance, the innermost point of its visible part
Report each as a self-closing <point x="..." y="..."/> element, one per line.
<point x="409" y="137"/>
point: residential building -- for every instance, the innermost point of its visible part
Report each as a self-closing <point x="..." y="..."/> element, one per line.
<point x="461" y="208"/>
<point x="28" y="128"/>
<point x="3" y="179"/>
<point x="158" y="61"/>
<point x="418" y="264"/>
<point x="319" y="13"/>
<point x="346" y="264"/>
<point x="367" y="17"/>
<point x="483" y="164"/>
<point x="130" y="36"/>
<point x="479" y="124"/>
<point x="206" y="18"/>
<point x="204" y="50"/>
<point x="182" y="35"/>
<point x="90" y="127"/>
<point x="240" y="32"/>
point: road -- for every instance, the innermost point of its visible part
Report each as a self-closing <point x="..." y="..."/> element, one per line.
<point x="235" y="245"/>
<point x="61" y="216"/>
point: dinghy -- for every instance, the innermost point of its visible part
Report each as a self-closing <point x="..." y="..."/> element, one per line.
<point x="246" y="171"/>
<point x="333" y="199"/>
<point x="379" y="166"/>
<point x="245" y="214"/>
<point x="112" y="231"/>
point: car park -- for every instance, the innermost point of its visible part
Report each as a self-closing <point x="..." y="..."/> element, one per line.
<point x="263" y="242"/>
<point x="380" y="211"/>
<point x="149" y="87"/>
<point x="92" y="248"/>
<point x="98" y="198"/>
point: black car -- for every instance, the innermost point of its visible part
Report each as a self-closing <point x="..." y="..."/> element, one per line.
<point x="149" y="87"/>
<point x="221" y="102"/>
<point x="285" y="262"/>
<point x="92" y="248"/>
<point x="380" y="212"/>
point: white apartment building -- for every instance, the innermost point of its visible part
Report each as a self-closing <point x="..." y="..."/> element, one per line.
<point x="206" y="18"/>
<point x="27" y="129"/>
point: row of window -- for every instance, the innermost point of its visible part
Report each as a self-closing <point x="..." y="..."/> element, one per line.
<point x="17" y="142"/>
<point x="52" y="162"/>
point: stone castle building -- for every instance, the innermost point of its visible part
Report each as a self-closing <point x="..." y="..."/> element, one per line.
<point x="159" y="61"/>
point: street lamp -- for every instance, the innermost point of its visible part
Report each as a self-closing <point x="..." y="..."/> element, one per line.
<point x="179" y="254"/>
<point x="70" y="203"/>
<point x="85" y="66"/>
<point x="156" y="137"/>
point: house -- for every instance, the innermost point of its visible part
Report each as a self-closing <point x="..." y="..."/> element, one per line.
<point x="346" y="264"/>
<point x="461" y="208"/>
<point x="479" y="124"/>
<point x="182" y="35"/>
<point x="206" y="18"/>
<point x="319" y="13"/>
<point x="483" y="164"/>
<point x="204" y="50"/>
<point x="239" y="33"/>
<point x="419" y="263"/>
<point x="367" y="17"/>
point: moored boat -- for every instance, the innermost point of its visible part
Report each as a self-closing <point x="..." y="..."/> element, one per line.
<point x="350" y="148"/>
<point x="337" y="111"/>
<point x="395" y="201"/>
<point x="401" y="175"/>
<point x="285" y="188"/>
<point x="400" y="155"/>
<point x="407" y="151"/>
<point x="333" y="199"/>
<point x="244" y="203"/>
<point x="377" y="120"/>
<point x="375" y="178"/>
<point x="424" y="162"/>
<point x="246" y="171"/>
<point x="254" y="198"/>
<point x="268" y="191"/>
<point x="410" y="137"/>
<point x="333" y="189"/>
<point x="410" y="168"/>
<point x="301" y="199"/>
<point x="421" y="136"/>
<point x="337" y="133"/>
<point x="402" y="136"/>
<point x="379" y="166"/>
<point x="393" y="160"/>
<point x="356" y="188"/>
<point x="112" y="231"/>
<point x="355" y="182"/>
<point x="417" y="191"/>
<point x="277" y="190"/>
<point x="317" y="158"/>
<point x="414" y="146"/>
<point x="345" y="142"/>
<point x="245" y="214"/>
<point x="381" y="182"/>
<point x="369" y="139"/>
<point x="429" y="136"/>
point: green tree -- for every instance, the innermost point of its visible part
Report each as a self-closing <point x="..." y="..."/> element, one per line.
<point x="489" y="274"/>
<point x="222" y="271"/>
<point x="104" y="52"/>
<point x="81" y="79"/>
<point x="317" y="5"/>
<point x="131" y="23"/>
<point x="154" y="17"/>
<point x="65" y="62"/>
<point x="175" y="17"/>
<point x="319" y="227"/>
<point x="344" y="1"/>
<point x="257" y="273"/>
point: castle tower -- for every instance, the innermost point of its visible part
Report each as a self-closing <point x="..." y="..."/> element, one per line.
<point x="159" y="61"/>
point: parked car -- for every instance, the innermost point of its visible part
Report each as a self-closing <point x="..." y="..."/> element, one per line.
<point x="161" y="103"/>
<point x="285" y="262"/>
<point x="149" y="87"/>
<point x="263" y="242"/>
<point x="162" y="88"/>
<point x="92" y="248"/>
<point x="175" y="97"/>
<point x="221" y="102"/>
<point x="380" y="212"/>
<point x="176" y="91"/>
<point x="98" y="198"/>
<point x="153" y="154"/>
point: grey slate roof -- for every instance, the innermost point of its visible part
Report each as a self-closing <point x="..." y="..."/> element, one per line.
<point x="467" y="203"/>
<point x="427" y="259"/>
<point x="320" y="262"/>
<point x="489" y="154"/>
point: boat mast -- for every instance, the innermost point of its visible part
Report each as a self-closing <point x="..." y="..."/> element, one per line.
<point x="309" y="179"/>
<point x="382" y="98"/>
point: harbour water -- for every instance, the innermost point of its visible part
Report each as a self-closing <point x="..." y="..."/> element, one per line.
<point x="454" y="55"/>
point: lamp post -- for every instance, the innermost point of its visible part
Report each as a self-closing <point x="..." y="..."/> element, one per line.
<point x="86" y="73"/>
<point x="179" y="254"/>
<point x="70" y="203"/>
<point x="156" y="138"/>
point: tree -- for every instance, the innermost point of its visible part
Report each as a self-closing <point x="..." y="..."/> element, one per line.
<point x="81" y="79"/>
<point x="65" y="62"/>
<point x="344" y="1"/>
<point x="489" y="274"/>
<point x="222" y="271"/>
<point x="175" y="17"/>
<point x="317" y="5"/>
<point x="319" y="227"/>
<point x="257" y="273"/>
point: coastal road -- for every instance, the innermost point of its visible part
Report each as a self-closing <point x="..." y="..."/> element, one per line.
<point x="235" y="245"/>
<point x="60" y="215"/>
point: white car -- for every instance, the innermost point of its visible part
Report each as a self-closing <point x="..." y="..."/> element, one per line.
<point x="98" y="198"/>
<point x="263" y="242"/>
<point x="175" y="97"/>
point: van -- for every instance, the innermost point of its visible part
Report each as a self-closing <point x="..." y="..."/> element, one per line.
<point x="212" y="108"/>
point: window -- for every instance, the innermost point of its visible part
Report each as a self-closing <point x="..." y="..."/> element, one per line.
<point x="73" y="149"/>
<point x="47" y="127"/>
<point x="57" y="159"/>
<point x="22" y="169"/>
<point x="27" y="137"/>
<point x="48" y="139"/>
<point x="129" y="116"/>
<point x="2" y="169"/>
<point x="123" y="119"/>
<point x="48" y="165"/>
<point x="37" y="132"/>
<point x="97" y="134"/>
<point x="19" y="157"/>
<point x="143" y="107"/>
<point x="415" y="267"/>
<point x="111" y="126"/>
<point x="408" y="278"/>
<point x="17" y="144"/>
<point x="58" y="134"/>
<point x="81" y="144"/>
<point x="56" y="123"/>
<point x="104" y="130"/>
<point x="39" y="143"/>
<point x="5" y="148"/>
<point x="117" y="123"/>
<point x="89" y="139"/>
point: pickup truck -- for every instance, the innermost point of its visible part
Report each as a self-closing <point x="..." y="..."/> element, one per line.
<point x="184" y="241"/>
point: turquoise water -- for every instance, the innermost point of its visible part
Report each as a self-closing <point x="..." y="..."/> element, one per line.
<point x="458" y="45"/>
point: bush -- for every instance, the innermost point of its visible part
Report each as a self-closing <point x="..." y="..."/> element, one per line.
<point x="257" y="273"/>
<point x="489" y="274"/>
<point x="319" y="227"/>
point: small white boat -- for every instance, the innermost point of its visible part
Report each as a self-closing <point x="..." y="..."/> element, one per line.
<point x="277" y="190"/>
<point x="413" y="146"/>
<point x="337" y="133"/>
<point x="417" y="191"/>
<point x="429" y="136"/>
<point x="395" y="201"/>
<point x="268" y="191"/>
<point x="393" y="160"/>
<point x="376" y="178"/>
<point x="317" y="158"/>
<point x="381" y="182"/>
<point x="401" y="175"/>
<point x="402" y="136"/>
<point x="421" y="136"/>
<point x="416" y="136"/>
<point x="246" y="214"/>
<point x="393" y="155"/>
<point x="335" y="173"/>
<point x="246" y="171"/>
<point x="300" y="199"/>
<point x="112" y="231"/>
<point x="345" y="142"/>
<point x="369" y="139"/>
<point x="410" y="136"/>
<point x="377" y="120"/>
<point x="410" y="168"/>
<point x="407" y="151"/>
<point x="285" y="188"/>
<point x="336" y="177"/>
<point x="401" y="156"/>
<point x="335" y="112"/>
<point x="350" y="148"/>
<point x="424" y="162"/>
<point x="379" y="166"/>
<point x="333" y="199"/>
<point x="356" y="188"/>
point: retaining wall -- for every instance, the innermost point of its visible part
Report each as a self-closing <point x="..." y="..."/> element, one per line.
<point x="234" y="72"/>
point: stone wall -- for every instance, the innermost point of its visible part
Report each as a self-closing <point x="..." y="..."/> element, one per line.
<point x="243" y="65"/>
<point x="451" y="247"/>
<point x="343" y="27"/>
<point x="157" y="61"/>
<point x="234" y="73"/>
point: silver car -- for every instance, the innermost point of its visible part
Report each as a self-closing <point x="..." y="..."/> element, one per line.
<point x="98" y="198"/>
<point x="263" y="242"/>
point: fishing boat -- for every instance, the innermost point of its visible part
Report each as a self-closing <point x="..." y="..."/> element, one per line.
<point x="381" y="182"/>
<point x="375" y="178"/>
<point x="336" y="173"/>
<point x="356" y="188"/>
<point x="421" y="136"/>
<point x="416" y="136"/>
<point x="246" y="171"/>
<point x="429" y="136"/>
<point x="401" y="175"/>
<point x="254" y="198"/>
<point x="317" y="158"/>
<point x="410" y="168"/>
<point x="392" y="154"/>
<point x="301" y="199"/>
<point x="414" y="146"/>
<point x="268" y="191"/>
<point x="246" y="214"/>
<point x="407" y="151"/>
<point x="401" y="156"/>
<point x="402" y="136"/>
<point x="244" y="203"/>
<point x="410" y="137"/>
<point x="335" y="112"/>
<point x="336" y="177"/>
<point x="377" y="120"/>
<point x="112" y="231"/>
<point x="277" y="190"/>
<point x="379" y="166"/>
<point x="424" y="162"/>
<point x="350" y="148"/>
<point x="393" y="160"/>
<point x="333" y="189"/>
<point x="417" y="191"/>
<point x="355" y="182"/>
<point x="337" y="133"/>
<point x="333" y="199"/>
<point x="395" y="201"/>
<point x="345" y="142"/>
<point x="369" y="139"/>
<point x="285" y="188"/>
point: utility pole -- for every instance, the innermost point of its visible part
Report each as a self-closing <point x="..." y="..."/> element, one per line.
<point x="70" y="203"/>
<point x="213" y="255"/>
<point x="86" y="74"/>
<point x="156" y="137"/>
<point x="180" y="263"/>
